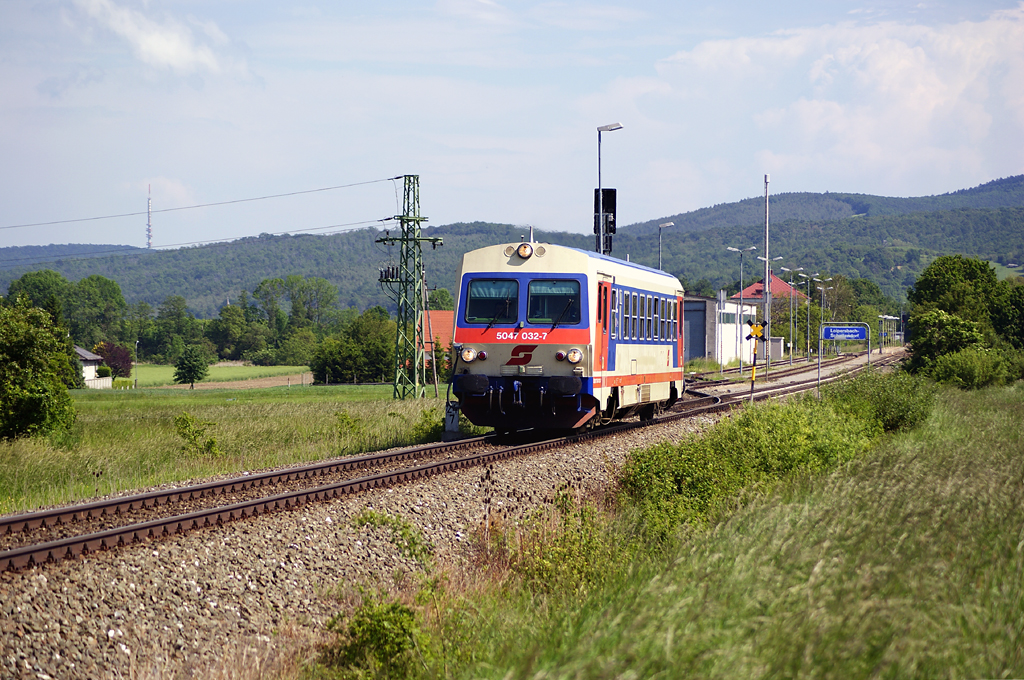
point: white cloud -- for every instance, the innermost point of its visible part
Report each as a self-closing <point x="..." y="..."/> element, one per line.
<point x="167" y="44"/>
<point x="889" y="100"/>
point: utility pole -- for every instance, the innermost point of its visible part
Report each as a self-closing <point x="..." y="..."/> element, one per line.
<point x="404" y="284"/>
<point x="767" y="287"/>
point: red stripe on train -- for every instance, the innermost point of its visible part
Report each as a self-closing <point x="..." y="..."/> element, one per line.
<point x="566" y="336"/>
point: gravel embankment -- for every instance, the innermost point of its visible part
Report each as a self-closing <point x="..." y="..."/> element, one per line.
<point x="181" y="606"/>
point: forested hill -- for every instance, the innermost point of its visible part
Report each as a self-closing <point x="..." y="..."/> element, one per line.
<point x="887" y="244"/>
<point x="1000" y="193"/>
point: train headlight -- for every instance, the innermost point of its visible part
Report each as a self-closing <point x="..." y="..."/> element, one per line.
<point x="574" y="356"/>
<point x="559" y="355"/>
<point x="468" y="355"/>
<point x="525" y="250"/>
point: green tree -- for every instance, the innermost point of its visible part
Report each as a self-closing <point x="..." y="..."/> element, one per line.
<point x="963" y="286"/>
<point x="297" y="349"/>
<point x="1009" y="316"/>
<point x="40" y="287"/>
<point x="441" y="298"/>
<point x="363" y="352"/>
<point x="191" y="366"/>
<point x="227" y="330"/>
<point x="937" y="333"/>
<point x="268" y="294"/>
<point x="94" y="309"/>
<point x="37" y="367"/>
<point x="175" y="327"/>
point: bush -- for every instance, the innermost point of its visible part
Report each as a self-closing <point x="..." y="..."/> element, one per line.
<point x="380" y="637"/>
<point x="193" y="432"/>
<point x="103" y="371"/>
<point x="260" y="357"/>
<point x="674" y="484"/>
<point x="118" y="358"/>
<point x="36" y="367"/>
<point x="971" y="368"/>
<point x="895" y="400"/>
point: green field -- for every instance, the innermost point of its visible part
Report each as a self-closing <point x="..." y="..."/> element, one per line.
<point x="127" y="439"/>
<point x="158" y="375"/>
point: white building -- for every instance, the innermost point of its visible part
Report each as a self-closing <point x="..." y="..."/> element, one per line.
<point x="90" y="362"/>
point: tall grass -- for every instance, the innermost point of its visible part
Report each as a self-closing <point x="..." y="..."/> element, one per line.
<point x="906" y="562"/>
<point x="128" y="439"/>
<point x="900" y="557"/>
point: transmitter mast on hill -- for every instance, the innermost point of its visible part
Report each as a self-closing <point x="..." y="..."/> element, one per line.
<point x="404" y="284"/>
<point x="149" y="217"/>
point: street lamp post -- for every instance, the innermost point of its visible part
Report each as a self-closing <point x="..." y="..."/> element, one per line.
<point x="767" y="295"/>
<point x="600" y="194"/>
<point x="739" y="333"/>
<point x="792" y="324"/>
<point x="822" y="303"/>
<point x="808" y="334"/>
<point x="660" y="227"/>
<point x="136" y="364"/>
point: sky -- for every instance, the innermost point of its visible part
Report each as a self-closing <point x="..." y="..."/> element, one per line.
<point x="495" y="104"/>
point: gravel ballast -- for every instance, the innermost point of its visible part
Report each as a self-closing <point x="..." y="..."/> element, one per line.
<point x="178" y="607"/>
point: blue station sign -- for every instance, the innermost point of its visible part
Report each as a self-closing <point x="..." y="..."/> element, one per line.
<point x="844" y="333"/>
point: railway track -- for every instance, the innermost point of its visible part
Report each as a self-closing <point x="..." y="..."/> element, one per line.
<point x="57" y="534"/>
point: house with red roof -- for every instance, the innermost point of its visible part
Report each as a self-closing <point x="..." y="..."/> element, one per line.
<point x="780" y="290"/>
<point x="438" y="325"/>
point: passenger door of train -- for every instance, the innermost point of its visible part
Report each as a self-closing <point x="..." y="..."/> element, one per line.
<point x="601" y="329"/>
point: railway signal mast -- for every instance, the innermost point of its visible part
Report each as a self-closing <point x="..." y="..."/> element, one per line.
<point x="404" y="284"/>
<point x="604" y="201"/>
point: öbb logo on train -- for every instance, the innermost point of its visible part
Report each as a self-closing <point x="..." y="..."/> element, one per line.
<point x="521" y="355"/>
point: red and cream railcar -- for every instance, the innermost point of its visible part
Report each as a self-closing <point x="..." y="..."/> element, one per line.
<point x="553" y="337"/>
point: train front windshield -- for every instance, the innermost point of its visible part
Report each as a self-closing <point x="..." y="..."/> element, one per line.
<point x="555" y="302"/>
<point x="492" y="301"/>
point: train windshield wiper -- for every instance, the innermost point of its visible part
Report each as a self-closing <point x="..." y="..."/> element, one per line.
<point x="559" y="319"/>
<point x="500" y="313"/>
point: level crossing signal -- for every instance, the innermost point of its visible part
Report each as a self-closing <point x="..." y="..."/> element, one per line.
<point x="757" y="331"/>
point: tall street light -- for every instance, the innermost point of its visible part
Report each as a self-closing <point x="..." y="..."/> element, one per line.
<point x="136" y="364"/>
<point x="600" y="194"/>
<point x="822" y="304"/>
<point x="767" y="294"/>
<point x="808" y="334"/>
<point x="739" y="323"/>
<point x="660" y="227"/>
<point x="792" y="325"/>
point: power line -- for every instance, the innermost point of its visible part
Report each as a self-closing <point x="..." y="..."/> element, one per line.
<point x="340" y="228"/>
<point x="201" y="205"/>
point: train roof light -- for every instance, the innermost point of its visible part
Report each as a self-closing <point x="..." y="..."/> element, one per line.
<point x="525" y="250"/>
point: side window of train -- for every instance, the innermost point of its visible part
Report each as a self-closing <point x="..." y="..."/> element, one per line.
<point x="666" y="323"/>
<point x="635" y="313"/>
<point x="615" y="316"/>
<point x="657" y="318"/>
<point x="650" y="315"/>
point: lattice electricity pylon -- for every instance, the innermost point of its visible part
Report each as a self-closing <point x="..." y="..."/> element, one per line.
<point x="403" y="283"/>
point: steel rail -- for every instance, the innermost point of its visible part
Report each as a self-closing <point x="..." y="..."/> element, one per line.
<point x="66" y="548"/>
<point x="114" y="506"/>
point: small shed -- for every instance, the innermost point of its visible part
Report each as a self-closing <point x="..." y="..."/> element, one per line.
<point x="90" y="362"/>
